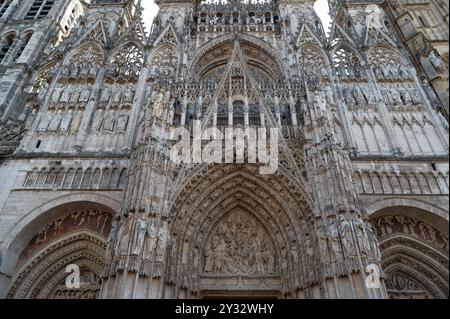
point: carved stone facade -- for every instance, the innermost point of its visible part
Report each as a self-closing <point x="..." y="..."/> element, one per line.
<point x="87" y="101"/>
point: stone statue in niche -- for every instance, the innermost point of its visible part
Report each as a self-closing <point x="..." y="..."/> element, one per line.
<point x="370" y="95"/>
<point x="57" y="93"/>
<point x="163" y="239"/>
<point x="98" y="120"/>
<point x="65" y="122"/>
<point x="374" y="248"/>
<point x="74" y="126"/>
<point x="105" y="95"/>
<point x="74" y="71"/>
<point x="396" y="98"/>
<point x="158" y="104"/>
<point x="150" y="243"/>
<point x="65" y="97"/>
<point x="108" y="121"/>
<point x="138" y="237"/>
<point x="65" y="72"/>
<point x="436" y="61"/>
<point x="406" y="97"/>
<point x="335" y="241"/>
<point x="358" y="95"/>
<point x="128" y="95"/>
<point x="122" y="121"/>
<point x="117" y="97"/>
<point x="84" y="71"/>
<point x="93" y="71"/>
<point x="415" y="96"/>
<point x="239" y="245"/>
<point x="85" y="95"/>
<point x="54" y="123"/>
<point x="45" y="120"/>
<point x="329" y="95"/>
<point x="345" y="232"/>
<point x="323" y="247"/>
<point x="75" y="95"/>
<point x="361" y="236"/>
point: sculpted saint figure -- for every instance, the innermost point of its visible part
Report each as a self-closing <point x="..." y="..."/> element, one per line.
<point x="150" y="245"/>
<point x="65" y="122"/>
<point x="140" y="229"/>
<point x="85" y="94"/>
<point x="74" y="70"/>
<point x="57" y="94"/>
<point x="65" y="97"/>
<point x="54" y="123"/>
<point x="117" y="97"/>
<point x="98" y="120"/>
<point x="105" y="95"/>
<point x="158" y="104"/>
<point x="128" y="95"/>
<point x="108" y="121"/>
<point x="74" y="126"/>
<point x="43" y="124"/>
<point x="122" y="121"/>
<point x="84" y="71"/>
<point x="93" y="70"/>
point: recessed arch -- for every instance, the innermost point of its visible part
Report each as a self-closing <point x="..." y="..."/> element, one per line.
<point x="31" y="223"/>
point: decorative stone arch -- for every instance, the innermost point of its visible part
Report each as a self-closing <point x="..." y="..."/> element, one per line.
<point x="31" y="223"/>
<point x="427" y="268"/>
<point x="94" y="44"/>
<point x="413" y="239"/>
<point x="7" y="33"/>
<point x="439" y="215"/>
<point x="228" y="38"/>
<point x="155" y="50"/>
<point x="41" y="275"/>
<point x="286" y="220"/>
<point x="347" y="47"/>
<point x="113" y="53"/>
<point x="387" y="47"/>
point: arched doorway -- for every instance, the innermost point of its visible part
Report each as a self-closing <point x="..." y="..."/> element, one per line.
<point x="249" y="235"/>
<point x="414" y="248"/>
<point x="77" y="237"/>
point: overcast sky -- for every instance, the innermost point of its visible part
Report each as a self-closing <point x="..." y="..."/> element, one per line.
<point x="150" y="10"/>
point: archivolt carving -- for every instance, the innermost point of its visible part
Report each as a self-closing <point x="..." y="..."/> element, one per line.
<point x="36" y="279"/>
<point x="414" y="257"/>
<point x="213" y="194"/>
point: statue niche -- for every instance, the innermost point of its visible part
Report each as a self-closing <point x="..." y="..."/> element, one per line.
<point x="239" y="245"/>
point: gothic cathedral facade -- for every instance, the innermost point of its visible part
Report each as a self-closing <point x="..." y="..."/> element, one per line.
<point x="357" y="206"/>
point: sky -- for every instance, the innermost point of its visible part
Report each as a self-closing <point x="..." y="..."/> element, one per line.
<point x="151" y="9"/>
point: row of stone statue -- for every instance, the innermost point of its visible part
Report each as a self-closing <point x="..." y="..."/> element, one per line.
<point x="124" y="72"/>
<point x="110" y="120"/>
<point x="351" y="72"/>
<point x="61" y="120"/>
<point x="391" y="72"/>
<point x="71" y="94"/>
<point x="136" y="236"/>
<point x="347" y="237"/>
<point x="366" y="95"/>
<point x="117" y="95"/>
<point x="75" y="71"/>
<point x="387" y="225"/>
<point x="396" y="96"/>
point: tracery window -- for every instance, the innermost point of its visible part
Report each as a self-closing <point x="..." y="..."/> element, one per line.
<point x="4" y="5"/>
<point x="5" y="47"/>
<point x="22" y="46"/>
<point x="39" y="9"/>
